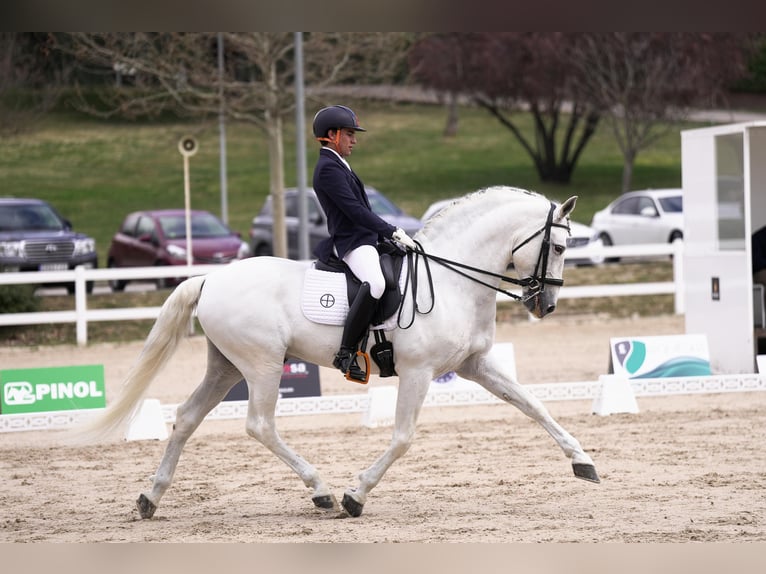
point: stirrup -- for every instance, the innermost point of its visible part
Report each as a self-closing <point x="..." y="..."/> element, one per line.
<point x="346" y="362"/>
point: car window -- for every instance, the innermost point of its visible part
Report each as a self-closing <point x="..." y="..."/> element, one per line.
<point x="266" y="209"/>
<point x="291" y="206"/>
<point x="202" y="225"/>
<point x="145" y="226"/>
<point x="645" y="202"/>
<point x="129" y="225"/>
<point x="32" y="217"/>
<point x="382" y="206"/>
<point x="672" y="204"/>
<point x="628" y="206"/>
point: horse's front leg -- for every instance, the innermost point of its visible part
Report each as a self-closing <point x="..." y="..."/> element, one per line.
<point x="489" y="373"/>
<point x="263" y="387"/>
<point x="411" y="394"/>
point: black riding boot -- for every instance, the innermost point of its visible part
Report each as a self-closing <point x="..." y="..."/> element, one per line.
<point x="358" y="320"/>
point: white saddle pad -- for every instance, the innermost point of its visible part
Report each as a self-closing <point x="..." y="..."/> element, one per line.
<point x="325" y="298"/>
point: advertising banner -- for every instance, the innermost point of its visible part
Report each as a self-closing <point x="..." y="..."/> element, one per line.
<point x="659" y="356"/>
<point x="52" y="389"/>
<point x="299" y="379"/>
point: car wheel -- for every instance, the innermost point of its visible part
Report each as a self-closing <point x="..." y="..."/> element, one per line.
<point x="607" y="242"/>
<point x="116" y="285"/>
<point x="163" y="282"/>
<point x="262" y="249"/>
<point x="88" y="288"/>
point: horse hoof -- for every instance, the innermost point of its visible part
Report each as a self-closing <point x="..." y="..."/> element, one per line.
<point x="352" y="506"/>
<point x="145" y="506"/>
<point x="325" y="502"/>
<point x="586" y="472"/>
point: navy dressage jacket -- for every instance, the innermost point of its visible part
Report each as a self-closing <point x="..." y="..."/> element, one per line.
<point x="350" y="219"/>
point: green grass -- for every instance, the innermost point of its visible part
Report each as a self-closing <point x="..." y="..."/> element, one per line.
<point x="95" y="172"/>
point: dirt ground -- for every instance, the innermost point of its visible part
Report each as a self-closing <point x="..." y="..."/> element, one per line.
<point x="685" y="468"/>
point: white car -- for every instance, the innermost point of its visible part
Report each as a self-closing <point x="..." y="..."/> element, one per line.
<point x="648" y="216"/>
<point x="581" y="236"/>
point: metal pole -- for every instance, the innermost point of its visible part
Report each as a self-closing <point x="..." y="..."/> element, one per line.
<point x="300" y="142"/>
<point x="187" y="209"/>
<point x="222" y="134"/>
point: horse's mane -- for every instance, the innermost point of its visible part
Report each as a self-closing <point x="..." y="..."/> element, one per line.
<point x="498" y="192"/>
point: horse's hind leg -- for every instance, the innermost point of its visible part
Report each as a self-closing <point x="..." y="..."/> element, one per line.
<point x="220" y="376"/>
<point x="486" y="371"/>
<point x="263" y="386"/>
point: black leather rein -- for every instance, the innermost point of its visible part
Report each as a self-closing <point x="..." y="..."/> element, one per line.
<point x="536" y="282"/>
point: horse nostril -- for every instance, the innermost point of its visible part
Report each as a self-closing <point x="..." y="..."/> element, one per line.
<point x="550" y="309"/>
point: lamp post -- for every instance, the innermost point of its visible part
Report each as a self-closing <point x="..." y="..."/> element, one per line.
<point x="188" y="147"/>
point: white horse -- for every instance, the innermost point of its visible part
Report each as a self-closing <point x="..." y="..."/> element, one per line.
<point x="251" y="315"/>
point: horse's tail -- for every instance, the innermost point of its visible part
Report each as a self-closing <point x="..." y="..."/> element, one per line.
<point x="168" y="330"/>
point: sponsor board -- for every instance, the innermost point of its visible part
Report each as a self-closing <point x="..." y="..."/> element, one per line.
<point x="659" y="356"/>
<point x="52" y="389"/>
<point x="299" y="379"/>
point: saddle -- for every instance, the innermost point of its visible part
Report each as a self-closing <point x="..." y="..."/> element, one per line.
<point x="391" y="262"/>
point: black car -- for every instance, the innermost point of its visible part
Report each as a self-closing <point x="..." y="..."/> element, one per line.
<point x="261" y="230"/>
<point x="34" y="237"/>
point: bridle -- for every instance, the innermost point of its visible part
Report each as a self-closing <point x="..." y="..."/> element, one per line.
<point x="534" y="283"/>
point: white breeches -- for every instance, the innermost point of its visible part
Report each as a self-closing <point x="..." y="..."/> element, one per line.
<point x="364" y="262"/>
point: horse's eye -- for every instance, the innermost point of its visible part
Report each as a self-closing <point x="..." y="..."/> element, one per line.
<point x="559" y="249"/>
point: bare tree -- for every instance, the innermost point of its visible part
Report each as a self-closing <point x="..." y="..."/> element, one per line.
<point x="510" y="71"/>
<point x="178" y="72"/>
<point x="32" y="79"/>
<point x="646" y="83"/>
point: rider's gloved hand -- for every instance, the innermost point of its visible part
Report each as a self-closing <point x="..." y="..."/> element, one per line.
<point x="403" y="239"/>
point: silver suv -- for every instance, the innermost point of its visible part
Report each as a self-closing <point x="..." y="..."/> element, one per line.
<point x="34" y="237"/>
<point x="261" y="229"/>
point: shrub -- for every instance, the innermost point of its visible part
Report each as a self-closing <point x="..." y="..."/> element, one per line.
<point x="18" y="299"/>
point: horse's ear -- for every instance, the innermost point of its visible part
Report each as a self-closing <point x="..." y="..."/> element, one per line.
<point x="565" y="209"/>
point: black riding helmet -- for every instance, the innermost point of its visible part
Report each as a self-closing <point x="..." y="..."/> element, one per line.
<point x="334" y="118"/>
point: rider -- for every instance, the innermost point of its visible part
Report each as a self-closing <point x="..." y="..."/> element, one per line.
<point x="355" y="229"/>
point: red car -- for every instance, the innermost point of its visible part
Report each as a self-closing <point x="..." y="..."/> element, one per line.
<point x="149" y="238"/>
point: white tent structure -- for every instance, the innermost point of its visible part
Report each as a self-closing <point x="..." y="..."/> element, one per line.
<point x="724" y="183"/>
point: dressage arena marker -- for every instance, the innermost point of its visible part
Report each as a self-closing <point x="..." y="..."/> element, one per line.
<point x="615" y="396"/>
<point x="472" y="395"/>
<point x="381" y="407"/>
<point x="149" y="422"/>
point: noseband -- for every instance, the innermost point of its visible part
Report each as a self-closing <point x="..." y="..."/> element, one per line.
<point x="537" y="281"/>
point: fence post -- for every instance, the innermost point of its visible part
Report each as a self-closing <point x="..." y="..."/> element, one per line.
<point x="80" y="305"/>
<point x="678" y="276"/>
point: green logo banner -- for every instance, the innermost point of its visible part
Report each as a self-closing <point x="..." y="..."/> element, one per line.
<point x="52" y="389"/>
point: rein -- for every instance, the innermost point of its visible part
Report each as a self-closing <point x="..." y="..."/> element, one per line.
<point x="536" y="282"/>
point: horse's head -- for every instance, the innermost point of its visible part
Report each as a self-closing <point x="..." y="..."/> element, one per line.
<point x="539" y="259"/>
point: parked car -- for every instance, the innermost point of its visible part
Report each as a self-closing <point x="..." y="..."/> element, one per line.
<point x="648" y="216"/>
<point x="261" y="230"/>
<point x="581" y="236"/>
<point x="149" y="238"/>
<point x="34" y="237"/>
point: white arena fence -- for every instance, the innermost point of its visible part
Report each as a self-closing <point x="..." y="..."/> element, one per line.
<point x="465" y="395"/>
<point x="81" y="315"/>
